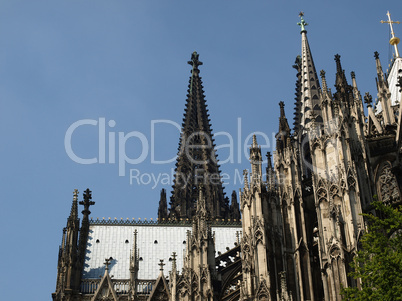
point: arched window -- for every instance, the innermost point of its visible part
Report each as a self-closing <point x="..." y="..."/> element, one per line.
<point x="387" y="186"/>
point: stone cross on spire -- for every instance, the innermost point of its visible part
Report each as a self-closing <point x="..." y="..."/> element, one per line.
<point x="161" y="264"/>
<point x="302" y="23"/>
<point x="174" y="255"/>
<point x="394" y="40"/>
<point x="194" y="60"/>
<point x="87" y="202"/>
<point x="107" y="263"/>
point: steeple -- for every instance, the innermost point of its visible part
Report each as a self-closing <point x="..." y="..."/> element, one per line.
<point x="197" y="161"/>
<point x="309" y="89"/>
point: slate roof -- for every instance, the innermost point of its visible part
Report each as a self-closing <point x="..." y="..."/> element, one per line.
<point x="154" y="242"/>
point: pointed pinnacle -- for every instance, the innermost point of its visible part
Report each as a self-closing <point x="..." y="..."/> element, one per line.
<point x="245" y="173"/>
<point x="338" y="63"/>
<point x="282" y="106"/>
<point x="74" y="206"/>
<point x="269" y="159"/>
<point x="254" y="142"/>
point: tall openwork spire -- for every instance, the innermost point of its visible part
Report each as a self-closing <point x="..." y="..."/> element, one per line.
<point x="309" y="102"/>
<point x="197" y="160"/>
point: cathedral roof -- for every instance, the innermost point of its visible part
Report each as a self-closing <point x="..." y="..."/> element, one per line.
<point x="155" y="242"/>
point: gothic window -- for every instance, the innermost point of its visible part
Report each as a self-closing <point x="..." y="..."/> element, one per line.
<point x="387" y="185"/>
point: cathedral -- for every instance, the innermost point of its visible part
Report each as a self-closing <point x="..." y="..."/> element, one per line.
<point x="290" y="233"/>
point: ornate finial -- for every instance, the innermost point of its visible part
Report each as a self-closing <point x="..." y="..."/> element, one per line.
<point x="376" y="55"/>
<point x="352" y="74"/>
<point x="322" y="73"/>
<point x="161" y="264"/>
<point x="368" y="99"/>
<point x="337" y="59"/>
<point x="107" y="262"/>
<point x="75" y="195"/>
<point x="394" y="40"/>
<point x="87" y="202"/>
<point x="194" y="60"/>
<point x="302" y="23"/>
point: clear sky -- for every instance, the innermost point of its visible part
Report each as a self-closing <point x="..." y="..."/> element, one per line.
<point x="124" y="62"/>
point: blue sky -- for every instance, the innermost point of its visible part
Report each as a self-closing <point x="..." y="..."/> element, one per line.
<point x="126" y="61"/>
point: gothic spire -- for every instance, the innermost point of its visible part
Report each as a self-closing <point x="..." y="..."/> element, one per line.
<point x="309" y="98"/>
<point x="197" y="161"/>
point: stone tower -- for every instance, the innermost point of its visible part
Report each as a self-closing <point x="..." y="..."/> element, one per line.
<point x="197" y="161"/>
